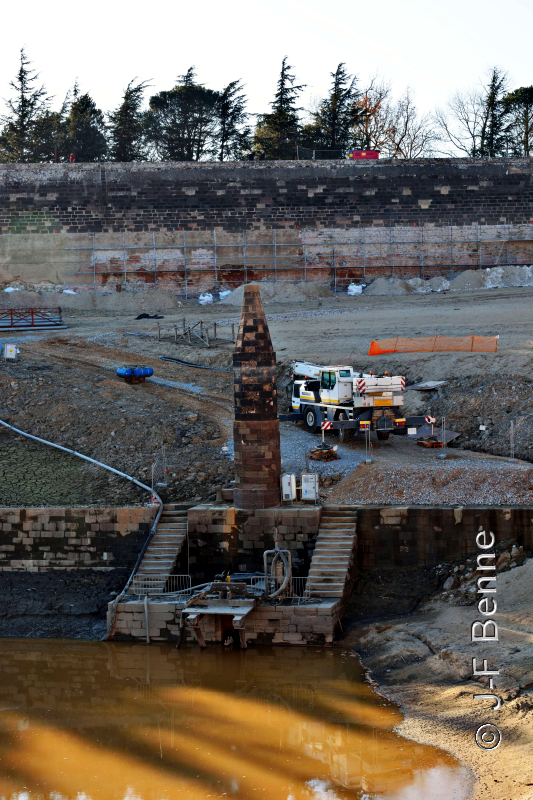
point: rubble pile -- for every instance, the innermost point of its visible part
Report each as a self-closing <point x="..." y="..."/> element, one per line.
<point x="454" y="481"/>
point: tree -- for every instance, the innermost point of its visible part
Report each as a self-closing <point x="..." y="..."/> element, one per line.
<point x="475" y="122"/>
<point x="333" y="122"/>
<point x="519" y="106"/>
<point x="127" y="125"/>
<point x="409" y="134"/>
<point x="374" y="126"/>
<point x="492" y="140"/>
<point x="460" y="124"/>
<point x="232" y="134"/>
<point x="276" y="132"/>
<point x="17" y="140"/>
<point x="84" y="129"/>
<point x="182" y="122"/>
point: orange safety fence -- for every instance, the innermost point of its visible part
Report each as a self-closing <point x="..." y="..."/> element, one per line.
<point x="434" y="344"/>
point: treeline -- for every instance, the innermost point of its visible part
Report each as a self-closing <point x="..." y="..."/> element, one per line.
<point x="191" y="122"/>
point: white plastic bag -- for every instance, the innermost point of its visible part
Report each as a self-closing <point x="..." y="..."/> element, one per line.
<point x="355" y="288"/>
<point x="224" y="294"/>
<point x="206" y="298"/>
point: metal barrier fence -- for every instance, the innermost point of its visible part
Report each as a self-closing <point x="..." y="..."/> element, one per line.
<point x="182" y="585"/>
<point x="174" y="584"/>
<point x="198" y="261"/>
<point x="23" y="318"/>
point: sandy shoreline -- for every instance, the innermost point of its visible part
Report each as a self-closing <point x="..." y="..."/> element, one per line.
<point x="423" y="662"/>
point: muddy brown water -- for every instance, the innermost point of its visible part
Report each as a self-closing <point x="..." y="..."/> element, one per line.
<point x="93" y="721"/>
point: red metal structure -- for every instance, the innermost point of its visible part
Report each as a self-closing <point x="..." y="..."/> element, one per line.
<point x="30" y="318"/>
<point x="357" y="154"/>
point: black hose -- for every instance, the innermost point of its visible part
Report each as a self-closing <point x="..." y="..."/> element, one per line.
<point x="195" y="366"/>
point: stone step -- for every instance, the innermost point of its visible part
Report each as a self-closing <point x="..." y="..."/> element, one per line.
<point x="164" y="525"/>
<point x="327" y="573"/>
<point x="330" y="540"/>
<point x="317" y="587"/>
<point x="173" y="515"/>
<point x="336" y="544"/>
<point x="323" y="559"/>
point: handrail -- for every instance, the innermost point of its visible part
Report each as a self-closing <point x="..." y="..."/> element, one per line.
<point x="111" y="625"/>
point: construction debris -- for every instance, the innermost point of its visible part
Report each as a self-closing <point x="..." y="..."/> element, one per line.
<point x="324" y="452"/>
<point x="195" y="333"/>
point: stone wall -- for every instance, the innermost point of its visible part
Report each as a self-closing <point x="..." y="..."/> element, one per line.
<point x="222" y="538"/>
<point x="41" y="539"/>
<point x="47" y="208"/>
<point x="420" y="536"/>
<point x="309" y="624"/>
<point x="76" y="198"/>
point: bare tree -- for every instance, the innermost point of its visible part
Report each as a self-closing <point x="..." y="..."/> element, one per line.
<point x="461" y="123"/>
<point x="411" y="135"/>
<point x="473" y="123"/>
<point x="374" y="126"/>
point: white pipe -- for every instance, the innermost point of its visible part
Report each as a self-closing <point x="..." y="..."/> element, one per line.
<point x="154" y="494"/>
<point x="146" y="620"/>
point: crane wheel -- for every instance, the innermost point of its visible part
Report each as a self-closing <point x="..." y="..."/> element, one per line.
<point x="311" y="420"/>
<point x="345" y="434"/>
<point x="382" y="435"/>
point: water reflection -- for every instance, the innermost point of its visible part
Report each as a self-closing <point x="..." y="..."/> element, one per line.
<point x="128" y="722"/>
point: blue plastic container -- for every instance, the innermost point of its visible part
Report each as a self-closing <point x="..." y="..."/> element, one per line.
<point x="143" y="372"/>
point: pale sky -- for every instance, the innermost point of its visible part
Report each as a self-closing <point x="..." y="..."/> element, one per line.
<point x="434" y="47"/>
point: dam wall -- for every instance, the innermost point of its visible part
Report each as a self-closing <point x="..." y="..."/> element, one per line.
<point x="198" y="226"/>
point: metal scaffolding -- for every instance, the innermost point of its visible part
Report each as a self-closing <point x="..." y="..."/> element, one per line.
<point x="196" y="262"/>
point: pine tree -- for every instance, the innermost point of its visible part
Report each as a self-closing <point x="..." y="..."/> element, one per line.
<point x="277" y="132"/>
<point x="233" y="135"/>
<point x="519" y="105"/>
<point x="29" y="103"/>
<point x="182" y="122"/>
<point x="84" y="129"/>
<point x="127" y="126"/>
<point x="338" y="114"/>
<point x="492" y="136"/>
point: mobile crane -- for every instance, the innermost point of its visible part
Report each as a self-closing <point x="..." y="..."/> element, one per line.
<point x="348" y="401"/>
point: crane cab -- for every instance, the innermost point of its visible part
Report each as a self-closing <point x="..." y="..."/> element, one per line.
<point x="336" y="385"/>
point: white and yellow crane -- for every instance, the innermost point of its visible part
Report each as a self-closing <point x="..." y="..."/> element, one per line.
<point x="351" y="401"/>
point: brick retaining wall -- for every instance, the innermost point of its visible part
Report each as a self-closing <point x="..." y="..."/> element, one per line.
<point x="40" y="539"/>
<point x="47" y="208"/>
<point x="222" y="538"/>
<point x="410" y="537"/>
<point x="74" y="198"/>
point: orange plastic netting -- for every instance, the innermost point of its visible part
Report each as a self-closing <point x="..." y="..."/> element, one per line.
<point x="434" y="344"/>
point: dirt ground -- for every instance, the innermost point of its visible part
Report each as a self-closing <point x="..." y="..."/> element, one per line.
<point x="78" y="401"/>
<point x="74" y="398"/>
<point x="423" y="661"/>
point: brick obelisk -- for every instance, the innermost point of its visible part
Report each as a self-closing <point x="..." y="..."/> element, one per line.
<point x="256" y="426"/>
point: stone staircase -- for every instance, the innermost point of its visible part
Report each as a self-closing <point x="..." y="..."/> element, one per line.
<point x="333" y="553"/>
<point x="162" y="552"/>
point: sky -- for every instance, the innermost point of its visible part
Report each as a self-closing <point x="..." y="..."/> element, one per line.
<point x="434" y="47"/>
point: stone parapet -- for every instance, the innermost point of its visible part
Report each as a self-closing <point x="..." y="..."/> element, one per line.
<point x="41" y="539"/>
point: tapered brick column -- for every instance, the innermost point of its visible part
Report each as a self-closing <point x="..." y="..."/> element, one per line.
<point x="256" y="426"/>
